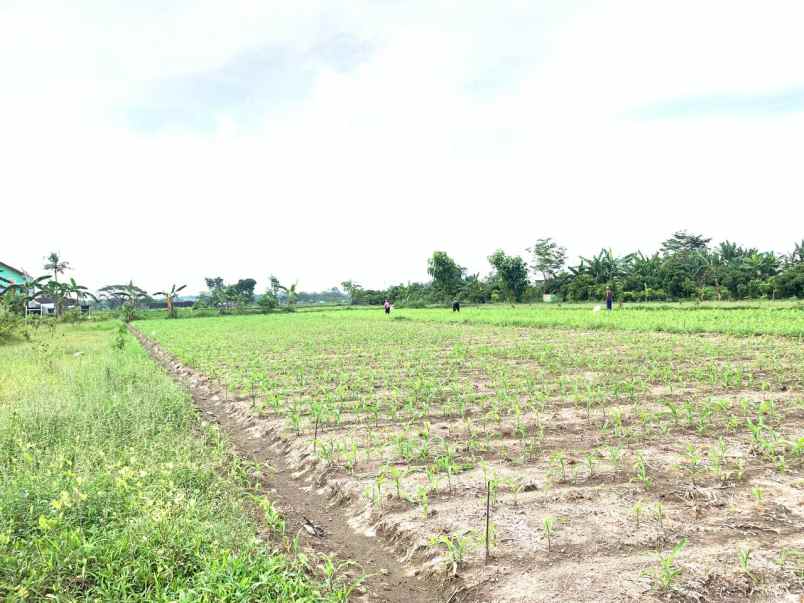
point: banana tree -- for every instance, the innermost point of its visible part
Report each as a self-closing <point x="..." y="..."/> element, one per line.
<point x="290" y="292"/>
<point x="18" y="296"/>
<point x="48" y="286"/>
<point x="129" y="296"/>
<point x="79" y="291"/>
<point x="170" y="297"/>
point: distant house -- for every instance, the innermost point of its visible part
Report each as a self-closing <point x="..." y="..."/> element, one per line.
<point x="12" y="276"/>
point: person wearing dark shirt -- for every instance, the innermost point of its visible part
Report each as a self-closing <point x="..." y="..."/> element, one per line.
<point x="609" y="298"/>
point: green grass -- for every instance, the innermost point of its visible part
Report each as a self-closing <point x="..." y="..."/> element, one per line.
<point x="112" y="489"/>
<point x="780" y="318"/>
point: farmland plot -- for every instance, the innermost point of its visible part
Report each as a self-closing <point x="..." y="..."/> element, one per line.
<point x="616" y="465"/>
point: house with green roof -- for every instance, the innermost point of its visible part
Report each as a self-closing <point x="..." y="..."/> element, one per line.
<point x="12" y="276"/>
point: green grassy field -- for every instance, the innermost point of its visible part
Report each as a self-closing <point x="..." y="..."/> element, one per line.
<point x="769" y="319"/>
<point x="112" y="489"/>
<point x="626" y="442"/>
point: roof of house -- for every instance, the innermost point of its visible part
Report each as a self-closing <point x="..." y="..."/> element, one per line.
<point x="17" y="270"/>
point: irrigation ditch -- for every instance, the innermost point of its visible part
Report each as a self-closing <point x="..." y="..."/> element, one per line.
<point x="312" y="515"/>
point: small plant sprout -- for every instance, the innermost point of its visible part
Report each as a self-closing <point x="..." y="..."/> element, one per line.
<point x="549" y="528"/>
<point x="589" y="457"/>
<point x="273" y="518"/>
<point x="616" y="457"/>
<point x="758" y="494"/>
<point x="378" y="483"/>
<point x="559" y="459"/>
<point x="744" y="557"/>
<point x="694" y="461"/>
<point x="637" y="510"/>
<point x="658" y="514"/>
<point x="516" y="485"/>
<point x="334" y="574"/>
<point x="396" y="475"/>
<point x="424" y="500"/>
<point x="666" y="571"/>
<point x="641" y="471"/>
<point x="456" y="546"/>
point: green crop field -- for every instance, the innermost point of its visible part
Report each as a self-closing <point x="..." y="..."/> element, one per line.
<point x="111" y="489"/>
<point x="629" y="454"/>
<point x="771" y="319"/>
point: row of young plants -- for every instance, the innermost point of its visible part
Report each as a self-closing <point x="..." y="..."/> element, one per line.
<point x="410" y="408"/>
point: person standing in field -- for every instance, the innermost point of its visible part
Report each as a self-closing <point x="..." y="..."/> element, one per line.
<point x="609" y="298"/>
<point x="456" y="306"/>
<point x="387" y="306"/>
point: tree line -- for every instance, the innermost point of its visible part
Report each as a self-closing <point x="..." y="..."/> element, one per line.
<point x="686" y="266"/>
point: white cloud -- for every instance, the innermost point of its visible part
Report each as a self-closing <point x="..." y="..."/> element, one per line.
<point x="467" y="128"/>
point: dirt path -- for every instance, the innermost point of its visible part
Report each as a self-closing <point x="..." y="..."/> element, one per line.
<point x="389" y="580"/>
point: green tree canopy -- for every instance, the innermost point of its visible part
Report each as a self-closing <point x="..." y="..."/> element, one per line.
<point x="512" y="274"/>
<point x="447" y="274"/>
<point x="548" y="258"/>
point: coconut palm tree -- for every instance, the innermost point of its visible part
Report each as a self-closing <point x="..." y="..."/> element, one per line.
<point x="55" y="263"/>
<point x="170" y="297"/>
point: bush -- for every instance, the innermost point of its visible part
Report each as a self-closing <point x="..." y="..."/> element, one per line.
<point x="790" y="283"/>
<point x="267" y="301"/>
<point x="11" y="323"/>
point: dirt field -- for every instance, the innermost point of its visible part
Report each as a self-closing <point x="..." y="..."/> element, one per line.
<point x="620" y="446"/>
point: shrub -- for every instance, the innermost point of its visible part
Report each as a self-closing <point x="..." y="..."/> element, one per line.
<point x="11" y="323"/>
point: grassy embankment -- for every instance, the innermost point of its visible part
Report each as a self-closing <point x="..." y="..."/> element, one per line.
<point x="111" y="488"/>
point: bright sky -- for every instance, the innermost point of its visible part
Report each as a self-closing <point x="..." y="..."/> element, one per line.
<point x="323" y="140"/>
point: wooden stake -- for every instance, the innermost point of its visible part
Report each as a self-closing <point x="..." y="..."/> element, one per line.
<point x="488" y="513"/>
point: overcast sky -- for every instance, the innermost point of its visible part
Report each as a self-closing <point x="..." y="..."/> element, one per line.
<point x="322" y="141"/>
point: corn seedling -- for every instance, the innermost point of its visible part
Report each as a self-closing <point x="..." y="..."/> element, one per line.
<point x="424" y="500"/>
<point x="559" y="460"/>
<point x="666" y="572"/>
<point x="637" y="510"/>
<point x="456" y="546"/>
<point x="758" y="493"/>
<point x="589" y="457"/>
<point x="271" y="515"/>
<point x="549" y="528"/>
<point x="658" y="515"/>
<point x="744" y="557"/>
<point x="641" y="471"/>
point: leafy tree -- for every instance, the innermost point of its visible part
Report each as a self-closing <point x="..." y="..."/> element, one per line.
<point x="790" y="282"/>
<point x="129" y="296"/>
<point x="797" y="255"/>
<point x="548" y="258"/>
<point x="214" y="283"/>
<point x="447" y="274"/>
<point x="170" y="297"/>
<point x="604" y="268"/>
<point x="684" y="242"/>
<point x="354" y="291"/>
<point x="244" y="289"/>
<point x="56" y="264"/>
<point x="224" y="297"/>
<point x="512" y="274"/>
<point x="267" y="301"/>
<point x="49" y="287"/>
<point x="290" y="292"/>
<point x="474" y="290"/>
